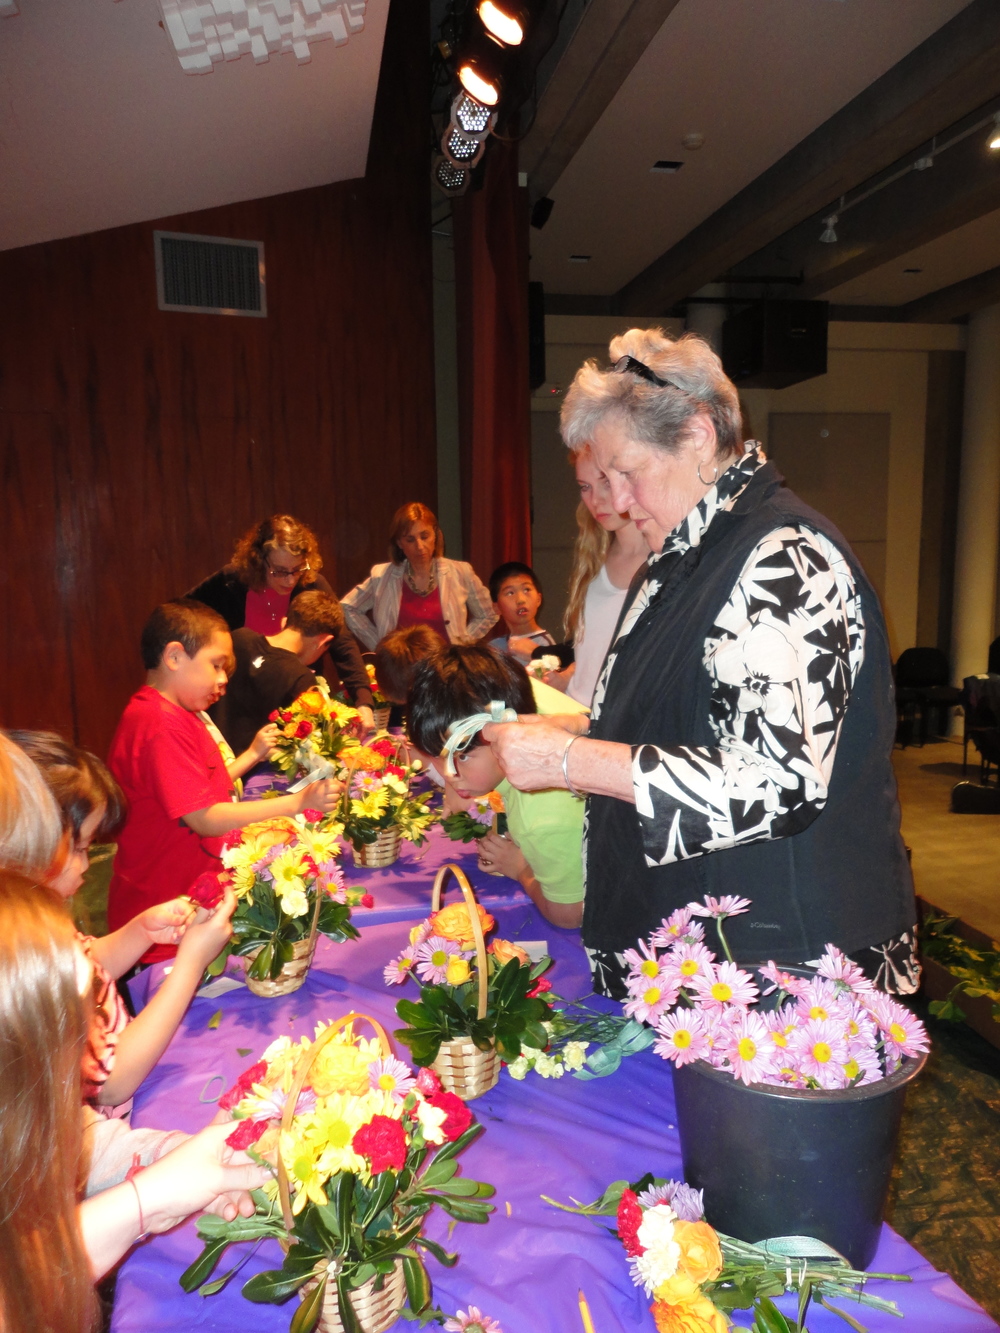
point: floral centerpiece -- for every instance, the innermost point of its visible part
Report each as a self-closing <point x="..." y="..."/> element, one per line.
<point x="476" y="820"/>
<point x="364" y="1151"/>
<point x="314" y="733"/>
<point x="697" y="1276"/>
<point x="289" y="888"/>
<point x="377" y="808"/>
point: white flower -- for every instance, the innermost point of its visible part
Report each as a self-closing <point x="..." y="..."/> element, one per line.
<point x="519" y="1068"/>
<point x="395" y="784"/>
<point x="656" y="1235"/>
<point x="431" y="1119"/>
<point x="294" y="902"/>
<point x="762" y="663"/>
<point x="575" y="1054"/>
<point x="548" y="1067"/>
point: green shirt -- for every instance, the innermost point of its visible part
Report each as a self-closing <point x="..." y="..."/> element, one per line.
<point x="548" y="828"/>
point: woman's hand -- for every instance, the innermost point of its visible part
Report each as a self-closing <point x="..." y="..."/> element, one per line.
<point x="320" y="795"/>
<point x="264" y="742"/>
<point x="367" y="717"/>
<point x="501" y="856"/>
<point x="203" y="1175"/>
<point x="559" y="680"/>
<point x="530" y="750"/>
<point x="166" y="922"/>
<point x="208" y="936"/>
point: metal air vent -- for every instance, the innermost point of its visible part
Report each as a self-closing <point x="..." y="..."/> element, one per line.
<point x="209" y="274"/>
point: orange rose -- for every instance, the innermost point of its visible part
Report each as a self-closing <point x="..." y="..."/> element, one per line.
<point x="503" y="951"/>
<point x="290" y="730"/>
<point x="454" y="923"/>
<point x="701" y="1257"/>
<point x="680" y="1307"/>
<point x="495" y="801"/>
<point x="310" y="702"/>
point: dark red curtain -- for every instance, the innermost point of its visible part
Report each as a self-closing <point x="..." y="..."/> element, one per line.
<point x="491" y="293"/>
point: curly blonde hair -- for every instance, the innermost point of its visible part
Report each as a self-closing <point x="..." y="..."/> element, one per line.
<point x="249" y="560"/>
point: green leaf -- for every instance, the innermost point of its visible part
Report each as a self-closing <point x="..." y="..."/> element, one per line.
<point x="465" y="1189"/>
<point x="274" y="1286"/>
<point x="770" y="1318"/>
<point x="385" y="1188"/>
<point x="216" y="1019"/>
<point x="343" y="1198"/>
<point x="244" y="1050"/>
<point x="443" y="1256"/>
<point x="212" y="1288"/>
<point x="449" y="1150"/>
<point x="260" y="968"/>
<point x="439" y="1172"/>
<point x="307" y="1315"/>
<point x="348" y="1315"/>
<point x="196" y="1274"/>
<point x="464" y="1210"/>
<point x="418" y="1284"/>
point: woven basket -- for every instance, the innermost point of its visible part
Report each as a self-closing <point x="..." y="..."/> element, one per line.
<point x="380" y="853"/>
<point x="376" y="1310"/>
<point x="293" y="974"/>
<point x="381" y="716"/>
<point x="461" y="1066"/>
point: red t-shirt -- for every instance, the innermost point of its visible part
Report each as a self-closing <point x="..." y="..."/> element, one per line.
<point x="416" y="610"/>
<point x="168" y="766"/>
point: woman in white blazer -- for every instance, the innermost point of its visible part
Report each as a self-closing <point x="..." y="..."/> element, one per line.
<point x="419" y="587"/>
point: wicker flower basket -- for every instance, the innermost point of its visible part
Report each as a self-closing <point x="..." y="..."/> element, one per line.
<point x="460" y="1065"/>
<point x="376" y="1311"/>
<point x="381" y="716"/>
<point x="382" y="852"/>
<point x="294" y="973"/>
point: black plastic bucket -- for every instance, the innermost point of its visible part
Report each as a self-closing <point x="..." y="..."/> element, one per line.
<point x="784" y="1162"/>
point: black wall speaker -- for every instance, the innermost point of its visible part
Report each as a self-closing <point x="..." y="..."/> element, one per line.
<point x="536" y="335"/>
<point x="772" y="344"/>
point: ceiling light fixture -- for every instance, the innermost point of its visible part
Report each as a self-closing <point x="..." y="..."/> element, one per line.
<point x="471" y="117"/>
<point x="464" y="150"/>
<point x="829" y="235"/>
<point x="993" y="141"/>
<point x="504" y="20"/>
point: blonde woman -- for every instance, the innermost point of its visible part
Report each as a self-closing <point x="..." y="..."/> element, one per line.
<point x="609" y="549"/>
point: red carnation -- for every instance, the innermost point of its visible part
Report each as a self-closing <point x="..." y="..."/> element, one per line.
<point x="540" y="987"/>
<point x="312" y="816"/>
<point x="458" y="1117"/>
<point x="273" y="717"/>
<point x="395" y="770"/>
<point x="207" y="890"/>
<point x="428" y="1082"/>
<point x="367" y="900"/>
<point x="383" y="1142"/>
<point x="629" y="1220"/>
<point x="285" y="715"/>
<point x="304" y="728"/>
<point x="246" y="1133"/>
<point x="241" y="1088"/>
<point x="385" y="747"/>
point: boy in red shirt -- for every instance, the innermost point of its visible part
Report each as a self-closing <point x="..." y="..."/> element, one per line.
<point x="180" y="796"/>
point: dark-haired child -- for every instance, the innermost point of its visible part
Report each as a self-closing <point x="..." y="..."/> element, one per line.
<point x="544" y="850"/>
<point x="179" y="792"/>
<point x="396" y="659"/>
<point x="517" y="597"/>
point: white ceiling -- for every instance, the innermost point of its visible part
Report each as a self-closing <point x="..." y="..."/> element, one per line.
<point x="100" y="127"/>
<point x="755" y="77"/>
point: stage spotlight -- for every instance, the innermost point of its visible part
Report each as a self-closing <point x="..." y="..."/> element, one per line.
<point x="471" y="117"/>
<point x="505" y="20"/>
<point x="448" y="178"/>
<point x="464" y="150"/>
<point x="480" y="69"/>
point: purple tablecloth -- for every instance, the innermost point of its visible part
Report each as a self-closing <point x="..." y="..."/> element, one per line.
<point x="557" y="1137"/>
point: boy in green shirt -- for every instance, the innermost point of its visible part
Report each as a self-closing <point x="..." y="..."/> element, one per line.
<point x="544" y="846"/>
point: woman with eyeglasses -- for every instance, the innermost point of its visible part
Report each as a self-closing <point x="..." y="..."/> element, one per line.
<point x="743" y="720"/>
<point x="272" y="563"/>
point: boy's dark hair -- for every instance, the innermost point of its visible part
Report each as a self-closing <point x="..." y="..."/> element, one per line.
<point x="397" y="655"/>
<point x="315" y="613"/>
<point x="512" y="569"/>
<point x="457" y="682"/>
<point x="185" y="621"/>
<point x="78" y="780"/>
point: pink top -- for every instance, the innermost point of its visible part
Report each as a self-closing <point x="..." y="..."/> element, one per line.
<point x="266" y="610"/>
<point x="416" y="610"/>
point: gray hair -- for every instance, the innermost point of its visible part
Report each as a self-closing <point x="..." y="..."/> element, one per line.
<point x="30" y="823"/>
<point x="647" y="413"/>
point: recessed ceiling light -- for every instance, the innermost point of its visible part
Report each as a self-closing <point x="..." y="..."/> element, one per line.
<point x="666" y="166"/>
<point x="579" y="259"/>
<point x="693" y="141"/>
<point x="913" y="270"/>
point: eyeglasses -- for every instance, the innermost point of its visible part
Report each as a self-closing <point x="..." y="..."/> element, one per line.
<point x="280" y="573"/>
<point x="629" y="365"/>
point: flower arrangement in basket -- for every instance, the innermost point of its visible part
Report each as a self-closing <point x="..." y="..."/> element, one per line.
<point x="475" y="822"/>
<point x="364" y="1151"/>
<point x="476" y="1005"/>
<point x="314" y="733"/>
<point x="377" y="809"/>
<point x="289" y="889"/>
<point x="697" y="1275"/>
<point x="834" y="1030"/>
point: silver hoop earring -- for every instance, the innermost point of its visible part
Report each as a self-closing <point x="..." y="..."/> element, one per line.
<point x="715" y="476"/>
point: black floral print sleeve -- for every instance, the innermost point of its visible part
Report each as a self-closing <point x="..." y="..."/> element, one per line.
<point x="783" y="656"/>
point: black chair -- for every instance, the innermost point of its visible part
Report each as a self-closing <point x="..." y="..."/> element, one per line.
<point x="981" y="706"/>
<point x="923" y="689"/>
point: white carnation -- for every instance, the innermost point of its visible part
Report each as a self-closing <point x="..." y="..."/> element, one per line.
<point x="575" y="1054"/>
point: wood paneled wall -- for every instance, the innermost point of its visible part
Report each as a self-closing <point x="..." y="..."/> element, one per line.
<point x="137" y="444"/>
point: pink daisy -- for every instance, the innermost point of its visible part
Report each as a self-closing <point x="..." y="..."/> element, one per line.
<point x="782" y="981"/>
<point x="645" y="964"/>
<point x="727" y="905"/>
<point x="682" y="1037"/>
<point x="471" y="1320"/>
<point x="820" y="1050"/>
<point x="725" y="983"/>
<point x="688" y="961"/>
<point x="749" y="1049"/>
<point x="819" y="999"/>
<point x="782" y="1023"/>
<point x="400" y="969"/>
<point x="863" y="1065"/>
<point x="651" y="999"/>
<point x="392" y="1076"/>
<point x="902" y="1032"/>
<point x="432" y="958"/>
<point x="840" y="970"/>
<point x="677" y="927"/>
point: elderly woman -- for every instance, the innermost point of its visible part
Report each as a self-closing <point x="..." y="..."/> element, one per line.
<point x="743" y="721"/>
<point x="419" y="587"/>
<point x="272" y="563"/>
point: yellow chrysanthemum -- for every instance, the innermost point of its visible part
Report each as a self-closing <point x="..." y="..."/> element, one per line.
<point x="371" y="805"/>
<point x="368" y="759"/>
<point x="243" y="881"/>
<point x="342" y="1065"/>
<point x="320" y="844"/>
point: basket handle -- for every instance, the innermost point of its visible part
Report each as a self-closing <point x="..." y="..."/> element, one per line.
<point x="302" y="1069"/>
<point x="477" y="930"/>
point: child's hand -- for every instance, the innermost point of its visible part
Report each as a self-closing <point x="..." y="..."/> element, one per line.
<point x="208" y="936"/>
<point x="320" y="795"/>
<point x="501" y="856"/>
<point x="166" y="922"/>
<point x="264" y="742"/>
<point x="521" y="648"/>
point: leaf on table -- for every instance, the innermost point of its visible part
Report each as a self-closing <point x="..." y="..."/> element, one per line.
<point x="216" y="1019"/>
<point x="243" y="1050"/>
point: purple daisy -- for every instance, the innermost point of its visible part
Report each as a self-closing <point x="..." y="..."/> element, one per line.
<point x="390" y="1075"/>
<point x="819" y="1047"/>
<point x="750" y="1049"/>
<point x="846" y="974"/>
<point x="400" y="969"/>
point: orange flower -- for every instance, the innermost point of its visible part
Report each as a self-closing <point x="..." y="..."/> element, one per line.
<point x="496" y="801"/>
<point x="290" y="730"/>
<point x="310" y="702"/>
<point x="366" y="758"/>
<point x="453" y="923"/>
<point x="680" y="1307"/>
<point x="701" y="1257"/>
<point x="503" y="951"/>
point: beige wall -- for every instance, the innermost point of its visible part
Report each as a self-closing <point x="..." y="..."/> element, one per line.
<point x="871" y="368"/>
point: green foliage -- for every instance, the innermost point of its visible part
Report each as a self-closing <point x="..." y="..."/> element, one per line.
<point x="461" y="827"/>
<point x="261" y="924"/>
<point x="976" y="971"/>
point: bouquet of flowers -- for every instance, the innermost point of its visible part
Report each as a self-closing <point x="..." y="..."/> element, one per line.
<point x="364" y="1151"/>
<point x="315" y="732"/>
<point x="475" y="822"/>
<point x="377" y="795"/>
<point x="697" y="1276"/>
<point x="539" y="667"/>
<point x="830" y="1030"/>
<point x="288" y="886"/>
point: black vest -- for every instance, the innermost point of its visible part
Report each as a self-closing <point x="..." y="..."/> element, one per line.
<point x="843" y="878"/>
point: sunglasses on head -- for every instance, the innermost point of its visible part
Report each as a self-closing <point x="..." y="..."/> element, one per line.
<point x="629" y="365"/>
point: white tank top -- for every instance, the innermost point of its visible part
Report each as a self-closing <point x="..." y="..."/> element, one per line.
<point x="600" y="615"/>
